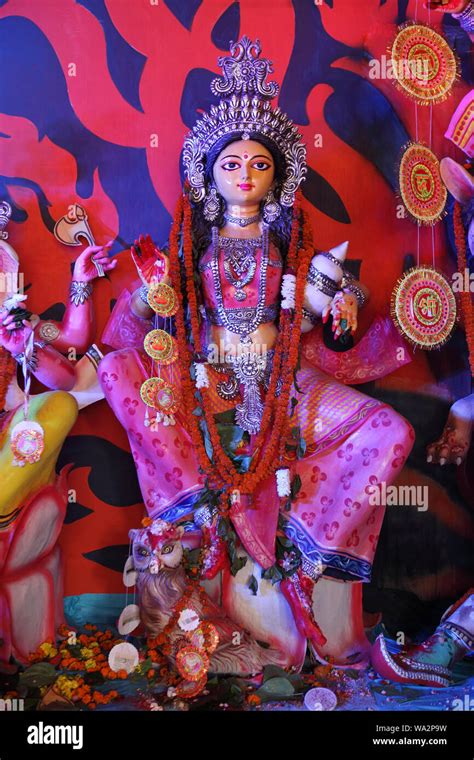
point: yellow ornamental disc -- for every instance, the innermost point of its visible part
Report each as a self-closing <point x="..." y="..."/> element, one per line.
<point x="162" y="299"/>
<point x="161" y="346"/>
<point x="424" y="66"/>
<point x="421" y="186"/>
<point x="148" y="391"/>
<point x="424" y="307"/>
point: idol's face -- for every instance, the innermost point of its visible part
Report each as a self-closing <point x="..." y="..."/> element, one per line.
<point x="243" y="172"/>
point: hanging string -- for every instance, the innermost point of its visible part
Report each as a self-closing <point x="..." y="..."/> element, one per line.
<point x="433" y="233"/>
<point x="418" y="243"/>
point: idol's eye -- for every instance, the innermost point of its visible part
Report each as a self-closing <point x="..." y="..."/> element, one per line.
<point x="142" y="552"/>
<point x="167" y="549"/>
<point x="261" y="165"/>
<point x="230" y="166"/>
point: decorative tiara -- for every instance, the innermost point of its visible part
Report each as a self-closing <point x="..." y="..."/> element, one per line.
<point x="246" y="111"/>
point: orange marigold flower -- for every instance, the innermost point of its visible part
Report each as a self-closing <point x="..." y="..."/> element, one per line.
<point x="86" y="699"/>
<point x="146" y="522"/>
<point x="122" y="674"/>
<point x="150" y="673"/>
<point x="253" y="699"/>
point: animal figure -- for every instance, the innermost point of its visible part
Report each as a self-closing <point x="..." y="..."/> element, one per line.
<point x="161" y="583"/>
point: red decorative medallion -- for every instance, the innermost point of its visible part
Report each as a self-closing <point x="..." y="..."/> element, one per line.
<point x="423" y="307"/>
<point x="189" y="689"/>
<point x="421" y="187"/>
<point x="27" y="443"/>
<point x="424" y="66"/>
<point x="160" y="395"/>
<point x="192" y="663"/>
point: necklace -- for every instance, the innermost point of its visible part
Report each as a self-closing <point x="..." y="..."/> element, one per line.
<point x="243" y="330"/>
<point x="240" y="257"/>
<point x="242" y="221"/>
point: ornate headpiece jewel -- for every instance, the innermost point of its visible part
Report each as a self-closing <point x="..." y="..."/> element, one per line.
<point x="244" y="109"/>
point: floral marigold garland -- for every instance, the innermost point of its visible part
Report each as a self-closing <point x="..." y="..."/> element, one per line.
<point x="465" y="295"/>
<point x="221" y="472"/>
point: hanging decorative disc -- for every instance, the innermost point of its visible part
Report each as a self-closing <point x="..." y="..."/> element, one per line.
<point x="422" y="190"/>
<point x="162" y="299"/>
<point x="424" y="66"/>
<point x="27" y="443"/>
<point x="192" y="663"/>
<point x="161" y="346"/>
<point x="160" y="395"/>
<point x="189" y="689"/>
<point x="423" y="307"/>
<point x="148" y="391"/>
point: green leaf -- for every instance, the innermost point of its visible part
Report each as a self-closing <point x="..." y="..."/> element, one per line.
<point x="301" y="450"/>
<point x="253" y="585"/>
<point x="237" y="564"/>
<point x="274" y="689"/>
<point x="273" y="671"/>
<point x="39" y="674"/>
<point x="295" y="486"/>
<point x="294" y="404"/>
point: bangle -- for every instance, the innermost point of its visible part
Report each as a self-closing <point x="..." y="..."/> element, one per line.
<point x="94" y="355"/>
<point x="466" y="18"/>
<point x="325" y="284"/>
<point x="307" y="314"/>
<point x="351" y="287"/>
<point x="143" y="293"/>
<point x="79" y="292"/>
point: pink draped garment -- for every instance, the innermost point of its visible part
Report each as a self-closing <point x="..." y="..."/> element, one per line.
<point x="353" y="444"/>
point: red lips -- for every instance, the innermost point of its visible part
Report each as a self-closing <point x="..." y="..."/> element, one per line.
<point x="245" y="186"/>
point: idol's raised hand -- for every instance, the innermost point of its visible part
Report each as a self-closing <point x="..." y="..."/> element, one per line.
<point x="13" y="336"/>
<point x="151" y="263"/>
<point x="344" y="311"/>
<point x="447" y="6"/>
<point x="93" y="262"/>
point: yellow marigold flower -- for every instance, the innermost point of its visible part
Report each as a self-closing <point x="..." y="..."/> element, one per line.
<point x="89" y="664"/>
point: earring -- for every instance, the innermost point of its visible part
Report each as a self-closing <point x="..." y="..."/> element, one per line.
<point x="212" y="205"/>
<point x="271" y="208"/>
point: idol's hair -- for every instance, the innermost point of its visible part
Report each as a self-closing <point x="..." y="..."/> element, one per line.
<point x="280" y="230"/>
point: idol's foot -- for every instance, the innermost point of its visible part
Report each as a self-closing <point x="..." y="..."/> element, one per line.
<point x="428" y="664"/>
<point x="298" y="592"/>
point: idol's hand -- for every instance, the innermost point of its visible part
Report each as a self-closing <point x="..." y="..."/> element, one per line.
<point x="85" y="270"/>
<point x="13" y="338"/>
<point x="447" y="6"/>
<point x="151" y="263"/>
<point x="344" y="311"/>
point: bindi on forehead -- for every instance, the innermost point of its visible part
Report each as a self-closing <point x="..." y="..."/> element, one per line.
<point x="246" y="155"/>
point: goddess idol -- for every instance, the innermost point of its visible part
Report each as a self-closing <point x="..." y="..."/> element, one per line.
<point x="235" y="436"/>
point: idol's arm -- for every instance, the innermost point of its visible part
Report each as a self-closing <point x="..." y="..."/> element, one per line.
<point x="52" y="369"/>
<point x="332" y="289"/>
<point x="76" y="329"/>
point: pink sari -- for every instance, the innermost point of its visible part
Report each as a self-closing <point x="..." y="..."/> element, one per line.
<point x="353" y="443"/>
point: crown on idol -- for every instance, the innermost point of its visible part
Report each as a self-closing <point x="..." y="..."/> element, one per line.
<point x="244" y="111"/>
